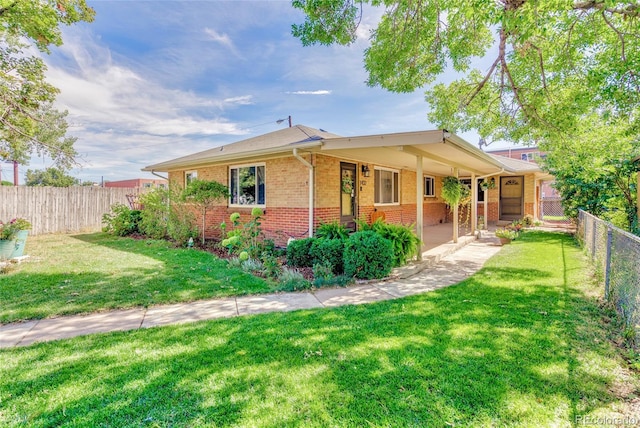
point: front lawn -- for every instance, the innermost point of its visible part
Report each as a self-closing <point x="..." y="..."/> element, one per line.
<point x="518" y="344"/>
<point x="94" y="272"/>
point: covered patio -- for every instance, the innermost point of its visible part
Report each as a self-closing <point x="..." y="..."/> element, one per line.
<point x="436" y="152"/>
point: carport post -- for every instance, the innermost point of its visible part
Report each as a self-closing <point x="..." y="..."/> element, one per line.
<point x="474" y="203"/>
<point x="419" y="198"/>
<point x="455" y="213"/>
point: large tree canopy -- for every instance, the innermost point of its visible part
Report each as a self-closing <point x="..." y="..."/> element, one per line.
<point x="545" y="63"/>
<point x="29" y="122"/>
<point x="54" y="177"/>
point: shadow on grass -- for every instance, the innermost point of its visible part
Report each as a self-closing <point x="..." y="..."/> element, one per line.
<point x="127" y="273"/>
<point x="469" y="355"/>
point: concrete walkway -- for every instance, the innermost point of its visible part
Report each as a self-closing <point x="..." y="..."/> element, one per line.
<point x="446" y="265"/>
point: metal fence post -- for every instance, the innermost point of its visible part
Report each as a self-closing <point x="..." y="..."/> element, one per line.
<point x="607" y="271"/>
<point x="593" y="239"/>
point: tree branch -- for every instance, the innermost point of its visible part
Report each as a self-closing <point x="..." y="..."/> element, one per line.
<point x="630" y="9"/>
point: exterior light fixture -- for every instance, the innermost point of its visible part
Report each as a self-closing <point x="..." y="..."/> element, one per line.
<point x="365" y="170"/>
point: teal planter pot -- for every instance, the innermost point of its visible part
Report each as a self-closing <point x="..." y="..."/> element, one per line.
<point x="21" y="241"/>
<point x="7" y="247"/>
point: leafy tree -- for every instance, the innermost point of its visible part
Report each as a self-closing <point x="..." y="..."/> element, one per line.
<point x="6" y="183"/>
<point x="595" y="172"/>
<point x="204" y="194"/>
<point x="549" y="62"/>
<point x="53" y="176"/>
<point x="30" y="123"/>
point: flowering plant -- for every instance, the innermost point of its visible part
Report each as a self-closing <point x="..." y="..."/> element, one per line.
<point x="506" y="233"/>
<point x="10" y="229"/>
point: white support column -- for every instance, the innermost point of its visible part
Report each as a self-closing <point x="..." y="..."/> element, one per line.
<point x="455" y="213"/>
<point x="419" y="199"/>
<point x="486" y="209"/>
<point x="474" y="203"/>
<point x="536" y="198"/>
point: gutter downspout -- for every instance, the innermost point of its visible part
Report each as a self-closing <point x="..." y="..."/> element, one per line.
<point x="158" y="175"/>
<point x="311" y="186"/>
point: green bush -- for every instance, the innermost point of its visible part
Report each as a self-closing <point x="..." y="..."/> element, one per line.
<point x="323" y="276"/>
<point x="291" y="280"/>
<point x="367" y="255"/>
<point x="155" y="214"/>
<point x="299" y="252"/>
<point x="180" y="226"/>
<point x="403" y="239"/>
<point x="121" y="221"/>
<point x="333" y="230"/>
<point x="330" y="252"/>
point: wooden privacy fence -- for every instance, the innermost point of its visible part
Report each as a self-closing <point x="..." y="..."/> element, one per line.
<point x="61" y="209"/>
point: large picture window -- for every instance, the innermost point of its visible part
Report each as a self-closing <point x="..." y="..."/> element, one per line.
<point x="247" y="185"/>
<point x="387" y="185"/>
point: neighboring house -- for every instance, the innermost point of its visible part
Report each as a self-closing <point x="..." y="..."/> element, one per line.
<point x="303" y="177"/>
<point x="529" y="154"/>
<point x="146" y="183"/>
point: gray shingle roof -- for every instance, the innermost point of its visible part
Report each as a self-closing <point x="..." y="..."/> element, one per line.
<point x="286" y="138"/>
<point x="516" y="164"/>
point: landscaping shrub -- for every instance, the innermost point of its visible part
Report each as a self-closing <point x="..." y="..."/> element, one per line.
<point x="247" y="236"/>
<point x="330" y="252"/>
<point x="291" y="280"/>
<point x="323" y="276"/>
<point x="403" y="239"/>
<point x="270" y="265"/>
<point x="367" y="255"/>
<point x="299" y="252"/>
<point x="121" y="221"/>
<point x="333" y="230"/>
<point x="180" y="226"/>
<point x="155" y="215"/>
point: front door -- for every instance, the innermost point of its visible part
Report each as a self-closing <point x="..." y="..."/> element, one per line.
<point x="511" y="201"/>
<point x="348" y="187"/>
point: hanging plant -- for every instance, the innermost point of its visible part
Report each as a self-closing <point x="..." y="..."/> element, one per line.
<point x="488" y="184"/>
<point x="451" y="191"/>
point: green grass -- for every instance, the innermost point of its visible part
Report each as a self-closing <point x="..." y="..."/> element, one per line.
<point x="94" y="272"/>
<point x="518" y="344"/>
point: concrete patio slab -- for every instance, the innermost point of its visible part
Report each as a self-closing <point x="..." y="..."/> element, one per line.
<point x="356" y="295"/>
<point x="64" y="327"/>
<point x="190" y="312"/>
<point x="276" y="302"/>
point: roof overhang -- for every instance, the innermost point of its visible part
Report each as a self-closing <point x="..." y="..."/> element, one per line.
<point x="220" y="158"/>
<point x="441" y="151"/>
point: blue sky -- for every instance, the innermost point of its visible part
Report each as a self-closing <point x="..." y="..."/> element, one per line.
<point x="150" y="81"/>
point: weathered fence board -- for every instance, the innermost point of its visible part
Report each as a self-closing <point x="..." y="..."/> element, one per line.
<point x="61" y="209"/>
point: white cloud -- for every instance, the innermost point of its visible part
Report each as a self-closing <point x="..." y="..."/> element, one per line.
<point x="319" y="92"/>
<point x="102" y="94"/>
<point x="241" y="100"/>
<point x="223" y="39"/>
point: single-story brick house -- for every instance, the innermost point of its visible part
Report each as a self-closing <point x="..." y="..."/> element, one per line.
<point x="303" y="177"/>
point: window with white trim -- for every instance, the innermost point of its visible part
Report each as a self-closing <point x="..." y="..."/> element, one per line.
<point x="429" y="186"/>
<point x="387" y="186"/>
<point x="246" y="185"/>
<point x="189" y="176"/>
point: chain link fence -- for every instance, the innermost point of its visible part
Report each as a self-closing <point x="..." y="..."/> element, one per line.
<point x="551" y="211"/>
<point x="616" y="256"/>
